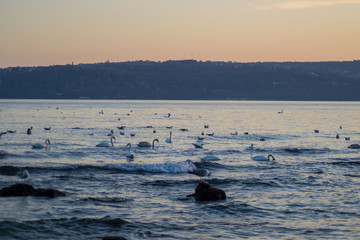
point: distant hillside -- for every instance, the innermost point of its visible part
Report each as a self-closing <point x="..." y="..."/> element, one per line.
<point x="188" y="79"/>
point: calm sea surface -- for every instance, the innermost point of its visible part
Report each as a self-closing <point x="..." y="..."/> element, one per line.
<point x="311" y="190"/>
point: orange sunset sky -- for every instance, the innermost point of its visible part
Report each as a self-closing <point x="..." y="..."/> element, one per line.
<point x="48" y="32"/>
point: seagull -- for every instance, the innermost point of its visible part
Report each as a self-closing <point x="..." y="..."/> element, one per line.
<point x="23" y="174"/>
<point x="201" y="172"/>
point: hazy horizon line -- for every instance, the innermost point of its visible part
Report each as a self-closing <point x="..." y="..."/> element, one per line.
<point x="175" y="60"/>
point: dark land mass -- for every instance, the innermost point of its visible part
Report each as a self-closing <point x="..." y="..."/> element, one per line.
<point x="186" y="79"/>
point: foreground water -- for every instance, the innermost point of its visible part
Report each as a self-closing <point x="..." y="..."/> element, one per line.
<point x="311" y="190"/>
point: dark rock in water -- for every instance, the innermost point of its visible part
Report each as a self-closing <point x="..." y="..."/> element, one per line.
<point x="49" y="193"/>
<point x="113" y="238"/>
<point x="204" y="192"/>
<point x="22" y="189"/>
<point x="19" y="189"/>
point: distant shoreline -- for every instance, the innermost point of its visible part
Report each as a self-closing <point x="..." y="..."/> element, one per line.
<point x="186" y="80"/>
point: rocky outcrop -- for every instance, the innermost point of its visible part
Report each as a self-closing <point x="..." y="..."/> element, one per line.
<point x="204" y="192"/>
<point x="22" y="189"/>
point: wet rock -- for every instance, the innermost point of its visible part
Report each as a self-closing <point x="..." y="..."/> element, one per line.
<point x="22" y="189"/>
<point x="113" y="238"/>
<point x="204" y="192"/>
<point x="19" y="189"/>
<point x="49" y="193"/>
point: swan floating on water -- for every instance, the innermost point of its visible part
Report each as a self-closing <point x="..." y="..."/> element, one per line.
<point x="263" y="158"/>
<point x="106" y="143"/>
<point x="129" y="154"/>
<point x="147" y="144"/>
<point x="168" y="140"/>
<point x="41" y="145"/>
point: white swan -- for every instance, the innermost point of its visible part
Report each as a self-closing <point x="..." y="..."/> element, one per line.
<point x="147" y="144"/>
<point x="129" y="154"/>
<point x="106" y="143"/>
<point x="41" y="145"/>
<point x="263" y="158"/>
<point x="168" y="140"/>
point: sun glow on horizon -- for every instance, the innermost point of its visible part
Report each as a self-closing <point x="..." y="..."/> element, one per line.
<point x="60" y="32"/>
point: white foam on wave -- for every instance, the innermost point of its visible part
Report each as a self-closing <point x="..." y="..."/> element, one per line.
<point x="179" y="167"/>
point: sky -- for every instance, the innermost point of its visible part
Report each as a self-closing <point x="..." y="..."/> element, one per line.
<point x="57" y="32"/>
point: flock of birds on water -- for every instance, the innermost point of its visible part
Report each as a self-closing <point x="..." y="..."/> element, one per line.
<point x="130" y="155"/>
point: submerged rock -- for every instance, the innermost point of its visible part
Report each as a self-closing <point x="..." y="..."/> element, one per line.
<point x="22" y="189"/>
<point x="204" y="192"/>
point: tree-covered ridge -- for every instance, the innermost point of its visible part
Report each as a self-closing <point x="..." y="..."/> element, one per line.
<point x="187" y="79"/>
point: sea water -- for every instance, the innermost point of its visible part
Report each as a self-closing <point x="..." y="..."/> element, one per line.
<point x="310" y="190"/>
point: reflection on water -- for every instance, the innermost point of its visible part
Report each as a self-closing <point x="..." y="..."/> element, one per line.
<point x="310" y="190"/>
